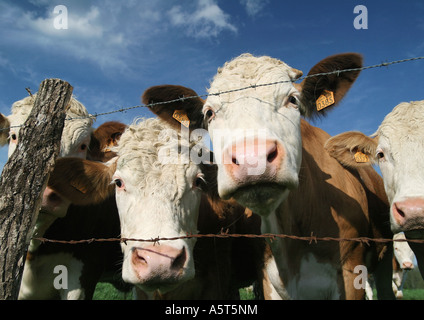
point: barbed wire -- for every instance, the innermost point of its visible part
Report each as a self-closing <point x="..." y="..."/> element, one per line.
<point x="311" y="239"/>
<point x="254" y="86"/>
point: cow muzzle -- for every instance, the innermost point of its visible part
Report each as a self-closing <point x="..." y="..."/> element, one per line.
<point x="160" y="267"/>
<point x="54" y="204"/>
<point x="409" y="216"/>
<point x="253" y="160"/>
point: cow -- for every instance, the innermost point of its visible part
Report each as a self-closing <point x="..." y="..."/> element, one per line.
<point x="161" y="191"/>
<point x="58" y="219"/>
<point x="395" y="147"/>
<point x="273" y="162"/>
<point x="402" y="263"/>
<point x="84" y="264"/>
<point x="74" y="142"/>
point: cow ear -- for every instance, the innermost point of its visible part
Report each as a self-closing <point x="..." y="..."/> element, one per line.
<point x="352" y="149"/>
<point x="323" y="91"/>
<point x="4" y="129"/>
<point x="103" y="138"/>
<point x="81" y="181"/>
<point x="186" y="111"/>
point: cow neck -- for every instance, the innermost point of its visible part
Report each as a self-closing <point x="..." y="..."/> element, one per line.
<point x="43" y="222"/>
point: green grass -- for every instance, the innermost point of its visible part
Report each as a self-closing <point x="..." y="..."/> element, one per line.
<point x="413" y="294"/>
<point x="106" y="291"/>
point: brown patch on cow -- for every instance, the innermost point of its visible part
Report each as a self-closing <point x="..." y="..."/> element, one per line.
<point x="332" y="201"/>
<point x="71" y="175"/>
<point x="338" y="83"/>
<point x="159" y="95"/>
<point x="345" y="146"/>
<point x="4" y="131"/>
<point x="103" y="138"/>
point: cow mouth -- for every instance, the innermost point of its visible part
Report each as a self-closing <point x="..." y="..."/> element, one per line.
<point x="261" y="198"/>
<point x="414" y="233"/>
<point x="160" y="285"/>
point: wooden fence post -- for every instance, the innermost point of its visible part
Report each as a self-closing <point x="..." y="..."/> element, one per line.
<point x="24" y="179"/>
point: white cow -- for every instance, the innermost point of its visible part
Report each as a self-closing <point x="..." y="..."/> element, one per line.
<point x="397" y="147"/>
<point x="402" y="263"/>
<point x="74" y="142"/>
<point x="161" y="191"/>
<point x="273" y="162"/>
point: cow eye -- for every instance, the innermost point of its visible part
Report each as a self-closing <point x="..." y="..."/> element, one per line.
<point x="13" y="137"/>
<point x="199" y="181"/>
<point x="380" y="155"/>
<point x="209" y="114"/>
<point x="119" y="184"/>
<point x="293" y="100"/>
<point x="83" y="147"/>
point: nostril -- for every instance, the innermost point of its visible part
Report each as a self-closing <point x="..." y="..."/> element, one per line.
<point x="235" y="161"/>
<point x="54" y="197"/>
<point x="179" y="262"/>
<point x="272" y="155"/>
<point x="400" y="212"/>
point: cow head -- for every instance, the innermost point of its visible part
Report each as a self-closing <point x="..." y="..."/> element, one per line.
<point x="403" y="253"/>
<point x="74" y="143"/>
<point x="255" y="131"/>
<point x="158" y="190"/>
<point x="396" y="148"/>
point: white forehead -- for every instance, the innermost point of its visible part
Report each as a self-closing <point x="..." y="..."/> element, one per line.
<point x="404" y="124"/>
<point x="140" y="150"/>
<point x="22" y="108"/>
<point x="247" y="70"/>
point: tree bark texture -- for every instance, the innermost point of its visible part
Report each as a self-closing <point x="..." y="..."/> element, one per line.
<point x="24" y="179"/>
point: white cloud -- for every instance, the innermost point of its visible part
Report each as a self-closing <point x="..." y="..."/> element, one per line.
<point x="207" y="20"/>
<point x="79" y="25"/>
<point x="253" y="7"/>
<point x="116" y="36"/>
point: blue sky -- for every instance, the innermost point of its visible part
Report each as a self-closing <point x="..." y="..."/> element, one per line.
<point x="113" y="50"/>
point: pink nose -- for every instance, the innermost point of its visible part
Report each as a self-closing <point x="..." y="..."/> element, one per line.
<point x="158" y="263"/>
<point x="51" y="200"/>
<point x="255" y="158"/>
<point x="409" y="214"/>
<point x="407" y="265"/>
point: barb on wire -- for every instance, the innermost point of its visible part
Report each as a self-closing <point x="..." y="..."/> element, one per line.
<point x="383" y="64"/>
<point x="223" y="234"/>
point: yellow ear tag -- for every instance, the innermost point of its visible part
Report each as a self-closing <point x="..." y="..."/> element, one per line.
<point x="181" y="116"/>
<point x="325" y="100"/>
<point x="361" y="157"/>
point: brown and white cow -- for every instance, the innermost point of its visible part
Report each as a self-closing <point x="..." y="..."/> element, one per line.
<point x="403" y="258"/>
<point x="273" y="162"/>
<point x="74" y="142"/>
<point x="162" y="192"/>
<point x="83" y="265"/>
<point x="396" y="147"/>
<point x="402" y="263"/>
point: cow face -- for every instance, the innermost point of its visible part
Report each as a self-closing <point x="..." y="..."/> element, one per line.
<point x="255" y="132"/>
<point x="157" y="194"/>
<point x="158" y="191"/>
<point x="400" y="138"/>
<point x="74" y="142"/>
<point x="396" y="148"/>
<point x="403" y="253"/>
